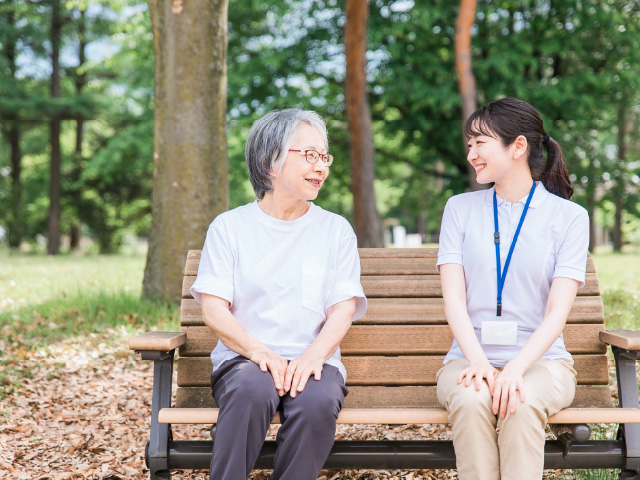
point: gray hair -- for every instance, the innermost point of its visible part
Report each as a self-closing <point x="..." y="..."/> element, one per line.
<point x="269" y="141"/>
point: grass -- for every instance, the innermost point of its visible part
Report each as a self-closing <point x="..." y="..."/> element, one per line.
<point x="619" y="275"/>
<point x="45" y="300"/>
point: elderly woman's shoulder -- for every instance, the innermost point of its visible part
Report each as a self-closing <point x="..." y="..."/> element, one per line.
<point x="334" y="219"/>
<point x="241" y="213"/>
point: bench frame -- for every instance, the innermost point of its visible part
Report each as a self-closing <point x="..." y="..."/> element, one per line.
<point x="164" y="454"/>
<point x="571" y="450"/>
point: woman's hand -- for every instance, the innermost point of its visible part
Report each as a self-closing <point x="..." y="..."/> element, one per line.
<point x="481" y="371"/>
<point x="506" y="384"/>
<point x="300" y="369"/>
<point x="274" y="363"/>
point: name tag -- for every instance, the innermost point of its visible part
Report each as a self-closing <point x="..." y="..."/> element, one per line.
<point x="499" y="333"/>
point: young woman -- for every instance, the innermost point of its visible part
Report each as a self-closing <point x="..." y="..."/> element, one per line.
<point x="511" y="260"/>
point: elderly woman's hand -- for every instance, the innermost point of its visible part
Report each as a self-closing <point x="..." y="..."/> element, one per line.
<point x="300" y="369"/>
<point x="275" y="364"/>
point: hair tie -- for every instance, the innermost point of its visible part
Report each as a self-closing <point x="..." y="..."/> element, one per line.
<point x="546" y="138"/>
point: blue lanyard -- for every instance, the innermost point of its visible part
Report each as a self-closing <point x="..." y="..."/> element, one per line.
<point x="496" y="240"/>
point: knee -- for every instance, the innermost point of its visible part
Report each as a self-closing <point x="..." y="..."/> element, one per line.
<point x="527" y="415"/>
<point x="467" y="402"/>
<point x="250" y="390"/>
<point x="318" y="407"/>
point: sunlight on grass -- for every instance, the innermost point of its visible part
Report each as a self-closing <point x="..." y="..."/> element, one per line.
<point x="47" y="300"/>
<point x="44" y="299"/>
<point x="619" y="275"/>
<point x="34" y="279"/>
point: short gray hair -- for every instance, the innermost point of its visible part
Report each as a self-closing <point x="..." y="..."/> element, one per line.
<point x="269" y="141"/>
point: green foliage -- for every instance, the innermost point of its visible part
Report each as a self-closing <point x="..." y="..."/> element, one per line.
<point x="576" y="61"/>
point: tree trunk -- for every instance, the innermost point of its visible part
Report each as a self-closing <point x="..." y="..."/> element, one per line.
<point x="81" y="80"/>
<point x="591" y="205"/>
<point x="619" y="187"/>
<point x="16" y="225"/>
<point x="53" y="246"/>
<point x="466" y="80"/>
<point x="190" y="171"/>
<point x="12" y="135"/>
<point x="368" y="226"/>
<point x="617" y="226"/>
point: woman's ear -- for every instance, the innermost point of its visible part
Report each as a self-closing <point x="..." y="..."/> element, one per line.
<point x="520" y="145"/>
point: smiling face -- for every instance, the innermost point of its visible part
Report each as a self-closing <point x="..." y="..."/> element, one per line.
<point x="492" y="161"/>
<point x="299" y="179"/>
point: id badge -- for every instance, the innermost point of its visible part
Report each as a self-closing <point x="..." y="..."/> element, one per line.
<point x="499" y="333"/>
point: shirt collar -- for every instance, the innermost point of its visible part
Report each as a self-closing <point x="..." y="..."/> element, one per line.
<point x="539" y="196"/>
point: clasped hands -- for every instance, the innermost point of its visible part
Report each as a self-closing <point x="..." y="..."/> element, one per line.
<point x="289" y="376"/>
<point x="504" y="385"/>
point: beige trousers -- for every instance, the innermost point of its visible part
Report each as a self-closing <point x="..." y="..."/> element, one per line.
<point x="491" y="448"/>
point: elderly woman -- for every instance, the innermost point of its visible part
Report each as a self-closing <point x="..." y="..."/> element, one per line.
<point x="279" y="283"/>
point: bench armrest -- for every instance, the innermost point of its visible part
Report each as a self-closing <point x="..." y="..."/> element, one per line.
<point x="157" y="341"/>
<point x="625" y="339"/>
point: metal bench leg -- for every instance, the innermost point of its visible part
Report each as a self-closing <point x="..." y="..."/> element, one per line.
<point x="157" y="455"/>
<point x="628" y="397"/>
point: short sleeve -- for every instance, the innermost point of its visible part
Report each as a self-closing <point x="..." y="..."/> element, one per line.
<point x="572" y="255"/>
<point x="450" y="244"/>
<point x="215" y="272"/>
<point x="347" y="283"/>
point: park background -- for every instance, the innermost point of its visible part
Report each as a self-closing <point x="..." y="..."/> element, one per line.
<point x="114" y="160"/>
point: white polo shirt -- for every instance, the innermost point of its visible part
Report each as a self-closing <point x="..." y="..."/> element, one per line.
<point x="553" y="242"/>
<point x="280" y="277"/>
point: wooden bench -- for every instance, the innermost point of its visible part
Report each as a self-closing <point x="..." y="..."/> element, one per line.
<point x="392" y="356"/>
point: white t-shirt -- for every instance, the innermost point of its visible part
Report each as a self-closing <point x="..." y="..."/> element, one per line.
<point x="553" y="242"/>
<point x="280" y="277"/>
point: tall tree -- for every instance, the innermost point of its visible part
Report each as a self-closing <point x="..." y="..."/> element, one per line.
<point x="466" y="79"/>
<point x="367" y="221"/>
<point x="190" y="149"/>
<point x="12" y="130"/>
<point x="80" y="82"/>
<point x="53" y="245"/>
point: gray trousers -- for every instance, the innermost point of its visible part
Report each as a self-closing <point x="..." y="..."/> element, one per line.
<point x="248" y="400"/>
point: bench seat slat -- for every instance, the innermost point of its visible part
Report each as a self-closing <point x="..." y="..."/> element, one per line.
<point x="411" y="416"/>
<point x="415" y="311"/>
<point x="392" y="371"/>
<point x="395" y="397"/>
<point x="401" y="340"/>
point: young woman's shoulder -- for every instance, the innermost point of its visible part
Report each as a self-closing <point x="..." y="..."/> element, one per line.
<point x="566" y="207"/>
<point x="463" y="200"/>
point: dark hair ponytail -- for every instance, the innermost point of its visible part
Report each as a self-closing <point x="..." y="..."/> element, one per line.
<point x="507" y="119"/>
<point x="554" y="176"/>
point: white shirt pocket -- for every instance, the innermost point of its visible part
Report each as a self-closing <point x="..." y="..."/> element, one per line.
<point x="313" y="288"/>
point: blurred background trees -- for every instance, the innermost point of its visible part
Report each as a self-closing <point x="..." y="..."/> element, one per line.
<point x="577" y="61"/>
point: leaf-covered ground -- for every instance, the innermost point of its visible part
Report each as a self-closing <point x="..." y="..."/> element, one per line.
<point x="84" y="414"/>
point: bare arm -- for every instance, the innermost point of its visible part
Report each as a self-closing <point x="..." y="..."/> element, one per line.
<point x="339" y="319"/>
<point x="218" y="318"/>
<point x="561" y="296"/>
<point x="455" y="309"/>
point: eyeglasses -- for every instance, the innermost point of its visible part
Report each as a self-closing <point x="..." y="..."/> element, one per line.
<point x="312" y="156"/>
